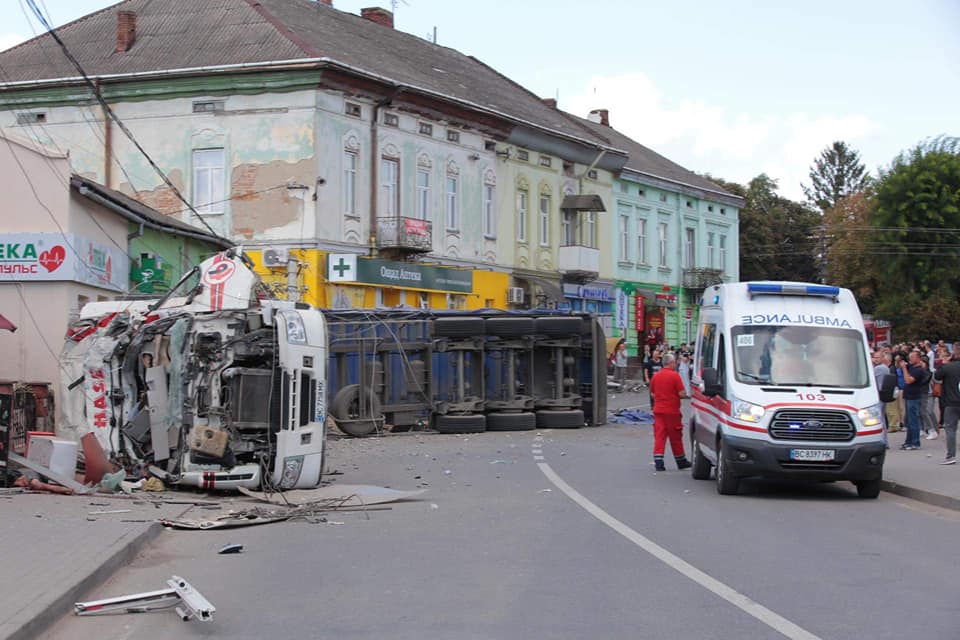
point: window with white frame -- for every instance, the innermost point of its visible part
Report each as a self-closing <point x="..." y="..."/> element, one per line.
<point x="711" y="249"/>
<point x="624" y="238"/>
<point x="489" y="215"/>
<point x="350" y="183"/>
<point x="423" y="193"/>
<point x="544" y="220"/>
<point x="662" y="243"/>
<point x="723" y="252"/>
<point x="390" y="186"/>
<point x="208" y="181"/>
<point x="641" y="241"/>
<point x="568" y="228"/>
<point x="591" y="229"/>
<point x="453" y="202"/>
<point x="522" y="207"/>
<point x="689" y="252"/>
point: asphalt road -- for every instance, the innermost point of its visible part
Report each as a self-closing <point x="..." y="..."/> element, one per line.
<point x="588" y="542"/>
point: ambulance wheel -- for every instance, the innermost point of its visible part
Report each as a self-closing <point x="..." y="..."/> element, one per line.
<point x="470" y="423"/>
<point x="868" y="489"/>
<point x="700" y="466"/>
<point x="505" y="421"/>
<point x="727" y="483"/>
<point x="509" y="327"/>
<point x="560" y="419"/>
<point x="458" y="327"/>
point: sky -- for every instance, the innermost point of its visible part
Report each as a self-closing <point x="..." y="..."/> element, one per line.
<point x="733" y="89"/>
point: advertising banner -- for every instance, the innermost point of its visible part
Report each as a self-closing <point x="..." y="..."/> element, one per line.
<point x="639" y="310"/>
<point x="51" y="257"/>
<point x="622" y="311"/>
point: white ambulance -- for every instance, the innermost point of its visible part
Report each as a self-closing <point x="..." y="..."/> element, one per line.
<point x="783" y="386"/>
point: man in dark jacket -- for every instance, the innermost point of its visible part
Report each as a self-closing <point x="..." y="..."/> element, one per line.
<point x="948" y="375"/>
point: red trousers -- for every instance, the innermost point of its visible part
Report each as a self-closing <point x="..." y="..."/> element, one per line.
<point x="667" y="425"/>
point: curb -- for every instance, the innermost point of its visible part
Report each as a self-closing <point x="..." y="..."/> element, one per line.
<point x="38" y="618"/>
<point x="927" y="497"/>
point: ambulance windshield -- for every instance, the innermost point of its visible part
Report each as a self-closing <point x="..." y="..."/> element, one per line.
<point x="800" y="356"/>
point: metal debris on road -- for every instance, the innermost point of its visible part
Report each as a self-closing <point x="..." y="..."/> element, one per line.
<point x="231" y="548"/>
<point x="107" y="511"/>
<point x="335" y="496"/>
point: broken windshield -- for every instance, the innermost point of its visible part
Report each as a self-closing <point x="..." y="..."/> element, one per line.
<point x="799" y="356"/>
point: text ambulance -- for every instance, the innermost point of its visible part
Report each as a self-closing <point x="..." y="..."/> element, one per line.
<point x="783" y="386"/>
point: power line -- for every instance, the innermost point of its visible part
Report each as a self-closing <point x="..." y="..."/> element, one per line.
<point x="113" y="116"/>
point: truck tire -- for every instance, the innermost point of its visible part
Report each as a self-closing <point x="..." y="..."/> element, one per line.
<point x="560" y="419"/>
<point x="727" y="483"/>
<point x="506" y="421"/>
<point x="868" y="489"/>
<point x="559" y="326"/>
<point x="345" y="409"/>
<point x="509" y="327"/>
<point x="699" y="466"/>
<point x="470" y="423"/>
<point x="458" y="327"/>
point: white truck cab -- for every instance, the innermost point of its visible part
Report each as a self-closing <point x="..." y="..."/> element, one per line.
<point x="783" y="387"/>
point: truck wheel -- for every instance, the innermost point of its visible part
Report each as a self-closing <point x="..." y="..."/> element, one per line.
<point x="560" y="419"/>
<point x="470" y="423"/>
<point x="559" y="326"/>
<point x="505" y="421"/>
<point x="509" y="327"/>
<point x="727" y="483"/>
<point x="346" y="403"/>
<point x="700" y="466"/>
<point x="458" y="327"/>
<point x="868" y="489"/>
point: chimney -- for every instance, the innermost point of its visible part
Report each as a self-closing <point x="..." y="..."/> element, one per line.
<point x="378" y="15"/>
<point x="550" y="102"/>
<point x="126" y="30"/>
<point x="601" y="116"/>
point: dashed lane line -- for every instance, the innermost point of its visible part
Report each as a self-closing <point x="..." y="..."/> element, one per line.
<point x="731" y="595"/>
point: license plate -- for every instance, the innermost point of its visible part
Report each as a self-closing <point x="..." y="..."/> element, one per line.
<point x="816" y="455"/>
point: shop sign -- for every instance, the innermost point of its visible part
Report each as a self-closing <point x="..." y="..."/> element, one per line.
<point x="622" y="311"/>
<point x="688" y="314"/>
<point x="595" y="293"/>
<point x="46" y="257"/>
<point x="666" y="300"/>
<point x="402" y="275"/>
<point x="639" y="310"/>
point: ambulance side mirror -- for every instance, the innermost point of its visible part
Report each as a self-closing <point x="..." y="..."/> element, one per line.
<point x="711" y="386"/>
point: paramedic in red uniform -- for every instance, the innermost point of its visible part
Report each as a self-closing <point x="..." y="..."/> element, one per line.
<point x="666" y="388"/>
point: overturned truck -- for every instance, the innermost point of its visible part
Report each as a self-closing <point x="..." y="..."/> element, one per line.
<point x="217" y="386"/>
<point x="221" y="387"/>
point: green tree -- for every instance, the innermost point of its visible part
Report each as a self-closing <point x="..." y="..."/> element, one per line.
<point x="835" y="174"/>
<point x="778" y="237"/>
<point x="850" y="261"/>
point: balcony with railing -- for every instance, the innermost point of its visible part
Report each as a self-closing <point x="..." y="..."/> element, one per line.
<point x="579" y="263"/>
<point x="405" y="234"/>
<point x="701" y="278"/>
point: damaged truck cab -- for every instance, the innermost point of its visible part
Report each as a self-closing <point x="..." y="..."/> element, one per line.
<point x="214" y="384"/>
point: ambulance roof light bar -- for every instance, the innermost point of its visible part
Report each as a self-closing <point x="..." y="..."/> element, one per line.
<point x="789" y="289"/>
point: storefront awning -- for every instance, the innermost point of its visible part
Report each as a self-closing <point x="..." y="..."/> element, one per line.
<point x="591" y="202"/>
<point x="6" y="324"/>
<point x="550" y="289"/>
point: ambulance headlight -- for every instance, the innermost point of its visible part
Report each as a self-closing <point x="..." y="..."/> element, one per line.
<point x="747" y="411"/>
<point x="296" y="333"/>
<point x="871" y="416"/>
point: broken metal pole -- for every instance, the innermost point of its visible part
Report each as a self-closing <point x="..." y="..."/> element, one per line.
<point x="189" y="602"/>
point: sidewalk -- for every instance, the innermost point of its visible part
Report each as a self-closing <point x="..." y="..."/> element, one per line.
<point x="55" y="549"/>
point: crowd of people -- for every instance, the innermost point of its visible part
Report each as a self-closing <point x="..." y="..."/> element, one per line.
<point x="926" y="399"/>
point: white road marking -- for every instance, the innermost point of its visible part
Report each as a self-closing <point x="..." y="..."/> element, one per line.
<point x="538" y="457"/>
<point x="538" y="451"/>
<point x="731" y="595"/>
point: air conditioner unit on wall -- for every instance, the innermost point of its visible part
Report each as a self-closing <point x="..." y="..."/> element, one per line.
<point x="515" y="295"/>
<point x="275" y="257"/>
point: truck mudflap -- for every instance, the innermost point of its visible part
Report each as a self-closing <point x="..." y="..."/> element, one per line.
<point x="840" y="461"/>
<point x="247" y="476"/>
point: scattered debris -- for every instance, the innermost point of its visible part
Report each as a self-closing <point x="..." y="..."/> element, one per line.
<point x="545" y="491"/>
<point x="153" y="484"/>
<point x="189" y="602"/>
<point x="631" y="416"/>
<point x="231" y="548"/>
<point x="107" y="511"/>
<point x="35" y="485"/>
<point x="111" y="481"/>
<point x="52" y="475"/>
<point x="336" y="496"/>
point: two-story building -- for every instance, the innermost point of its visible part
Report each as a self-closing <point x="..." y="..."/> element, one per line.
<point x="674" y="233"/>
<point x="321" y="140"/>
